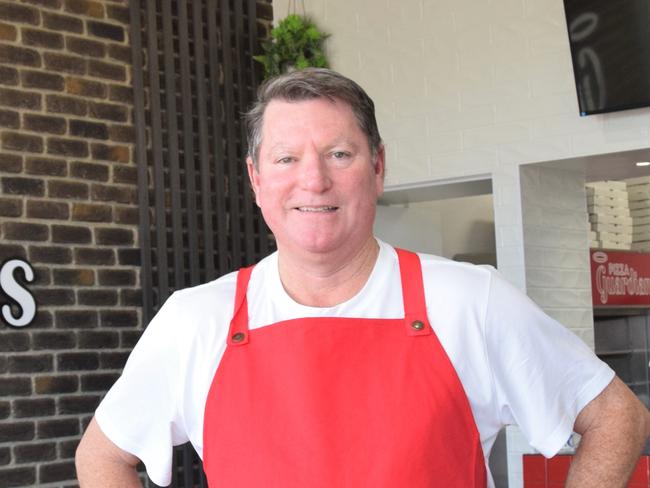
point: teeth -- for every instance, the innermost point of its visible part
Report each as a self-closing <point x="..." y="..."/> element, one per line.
<point x="316" y="209"/>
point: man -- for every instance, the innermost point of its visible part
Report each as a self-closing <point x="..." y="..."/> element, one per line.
<point x="341" y="362"/>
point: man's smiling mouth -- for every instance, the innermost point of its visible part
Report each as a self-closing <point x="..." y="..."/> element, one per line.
<point x="323" y="208"/>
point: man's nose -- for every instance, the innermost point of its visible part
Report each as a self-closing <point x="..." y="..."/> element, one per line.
<point x="314" y="173"/>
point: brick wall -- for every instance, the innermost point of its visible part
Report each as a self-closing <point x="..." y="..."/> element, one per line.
<point x="67" y="205"/>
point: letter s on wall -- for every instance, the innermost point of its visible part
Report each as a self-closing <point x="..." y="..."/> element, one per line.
<point x="17" y="293"/>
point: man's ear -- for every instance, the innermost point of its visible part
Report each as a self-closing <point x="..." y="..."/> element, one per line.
<point x="253" y="177"/>
<point x="380" y="169"/>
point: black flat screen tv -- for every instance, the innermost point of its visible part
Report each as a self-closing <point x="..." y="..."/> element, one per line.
<point x="610" y="49"/>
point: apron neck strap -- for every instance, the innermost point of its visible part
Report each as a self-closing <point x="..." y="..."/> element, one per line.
<point x="415" y="307"/>
<point x="238" y="333"/>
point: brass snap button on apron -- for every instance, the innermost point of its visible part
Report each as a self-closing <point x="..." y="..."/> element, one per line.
<point x="417" y="325"/>
<point x="238" y="337"/>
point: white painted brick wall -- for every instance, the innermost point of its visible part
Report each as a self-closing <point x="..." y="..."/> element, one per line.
<point x="555" y="229"/>
<point x="491" y="82"/>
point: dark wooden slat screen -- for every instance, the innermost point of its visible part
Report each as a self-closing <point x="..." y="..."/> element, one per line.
<point x="216" y="111"/>
<point x="243" y="99"/>
<point x="193" y="77"/>
<point x="141" y="162"/>
<point x="231" y="133"/>
<point x="172" y="140"/>
<point x="201" y="104"/>
<point x="155" y="123"/>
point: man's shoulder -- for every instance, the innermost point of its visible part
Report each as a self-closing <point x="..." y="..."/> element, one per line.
<point x="220" y="291"/>
<point x="454" y="280"/>
<point x="445" y="268"/>
<point x="222" y="288"/>
<point x="447" y="279"/>
<point x="433" y="262"/>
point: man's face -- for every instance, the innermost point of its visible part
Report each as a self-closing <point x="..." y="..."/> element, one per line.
<point x="315" y="182"/>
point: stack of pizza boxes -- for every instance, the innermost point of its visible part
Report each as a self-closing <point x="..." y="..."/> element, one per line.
<point x="609" y="215"/>
<point x="638" y="191"/>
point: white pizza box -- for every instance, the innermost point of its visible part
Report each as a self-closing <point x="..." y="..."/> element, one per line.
<point x="608" y="201"/>
<point x="640" y="187"/>
<point x="607" y="210"/>
<point x="606" y="192"/>
<point x="641" y="229"/>
<point x="616" y="237"/>
<point x="634" y="195"/>
<point x="642" y="236"/>
<point x="614" y="185"/>
<point x="640" y="212"/>
<point x="641" y="246"/>
<point x="600" y="217"/>
<point x="639" y="204"/>
<point x="615" y="245"/>
<point x="610" y="219"/>
<point x="621" y="208"/>
<point x="640" y="180"/>
<point x="615" y="228"/>
<point x="612" y="228"/>
<point x="641" y="220"/>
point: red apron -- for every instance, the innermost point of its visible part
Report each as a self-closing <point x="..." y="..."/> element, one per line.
<point x="340" y="402"/>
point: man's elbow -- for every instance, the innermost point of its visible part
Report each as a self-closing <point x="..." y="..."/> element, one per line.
<point x="638" y="417"/>
<point x="98" y="458"/>
<point x="615" y="410"/>
<point x="646" y="421"/>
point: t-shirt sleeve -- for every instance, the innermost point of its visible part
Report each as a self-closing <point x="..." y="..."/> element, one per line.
<point x="140" y="412"/>
<point x="543" y="373"/>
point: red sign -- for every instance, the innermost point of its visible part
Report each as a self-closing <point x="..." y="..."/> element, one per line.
<point x="620" y="278"/>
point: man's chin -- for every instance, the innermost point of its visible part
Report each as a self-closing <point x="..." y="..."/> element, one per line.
<point x="317" y="245"/>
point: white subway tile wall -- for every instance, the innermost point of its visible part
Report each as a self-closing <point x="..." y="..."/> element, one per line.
<point x="494" y="83"/>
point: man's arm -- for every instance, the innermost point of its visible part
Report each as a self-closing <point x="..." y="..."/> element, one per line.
<point x="100" y="463"/>
<point x="614" y="427"/>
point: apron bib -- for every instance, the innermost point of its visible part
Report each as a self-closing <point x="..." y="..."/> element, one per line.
<point x="340" y="402"/>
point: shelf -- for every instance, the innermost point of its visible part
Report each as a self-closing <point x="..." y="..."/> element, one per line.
<point x="619" y="352"/>
<point x="615" y="312"/>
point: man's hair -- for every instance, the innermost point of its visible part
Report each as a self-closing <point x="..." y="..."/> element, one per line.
<point x="309" y="84"/>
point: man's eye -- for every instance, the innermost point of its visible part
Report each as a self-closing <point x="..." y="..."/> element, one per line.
<point x="285" y="160"/>
<point x="339" y="154"/>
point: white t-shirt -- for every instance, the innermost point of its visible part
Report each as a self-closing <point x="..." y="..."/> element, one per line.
<point x="517" y="365"/>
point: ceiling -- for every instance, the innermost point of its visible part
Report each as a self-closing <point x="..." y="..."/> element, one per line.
<point x="611" y="166"/>
<point x="617" y="166"/>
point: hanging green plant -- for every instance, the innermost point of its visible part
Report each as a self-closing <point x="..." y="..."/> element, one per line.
<point x="296" y="43"/>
